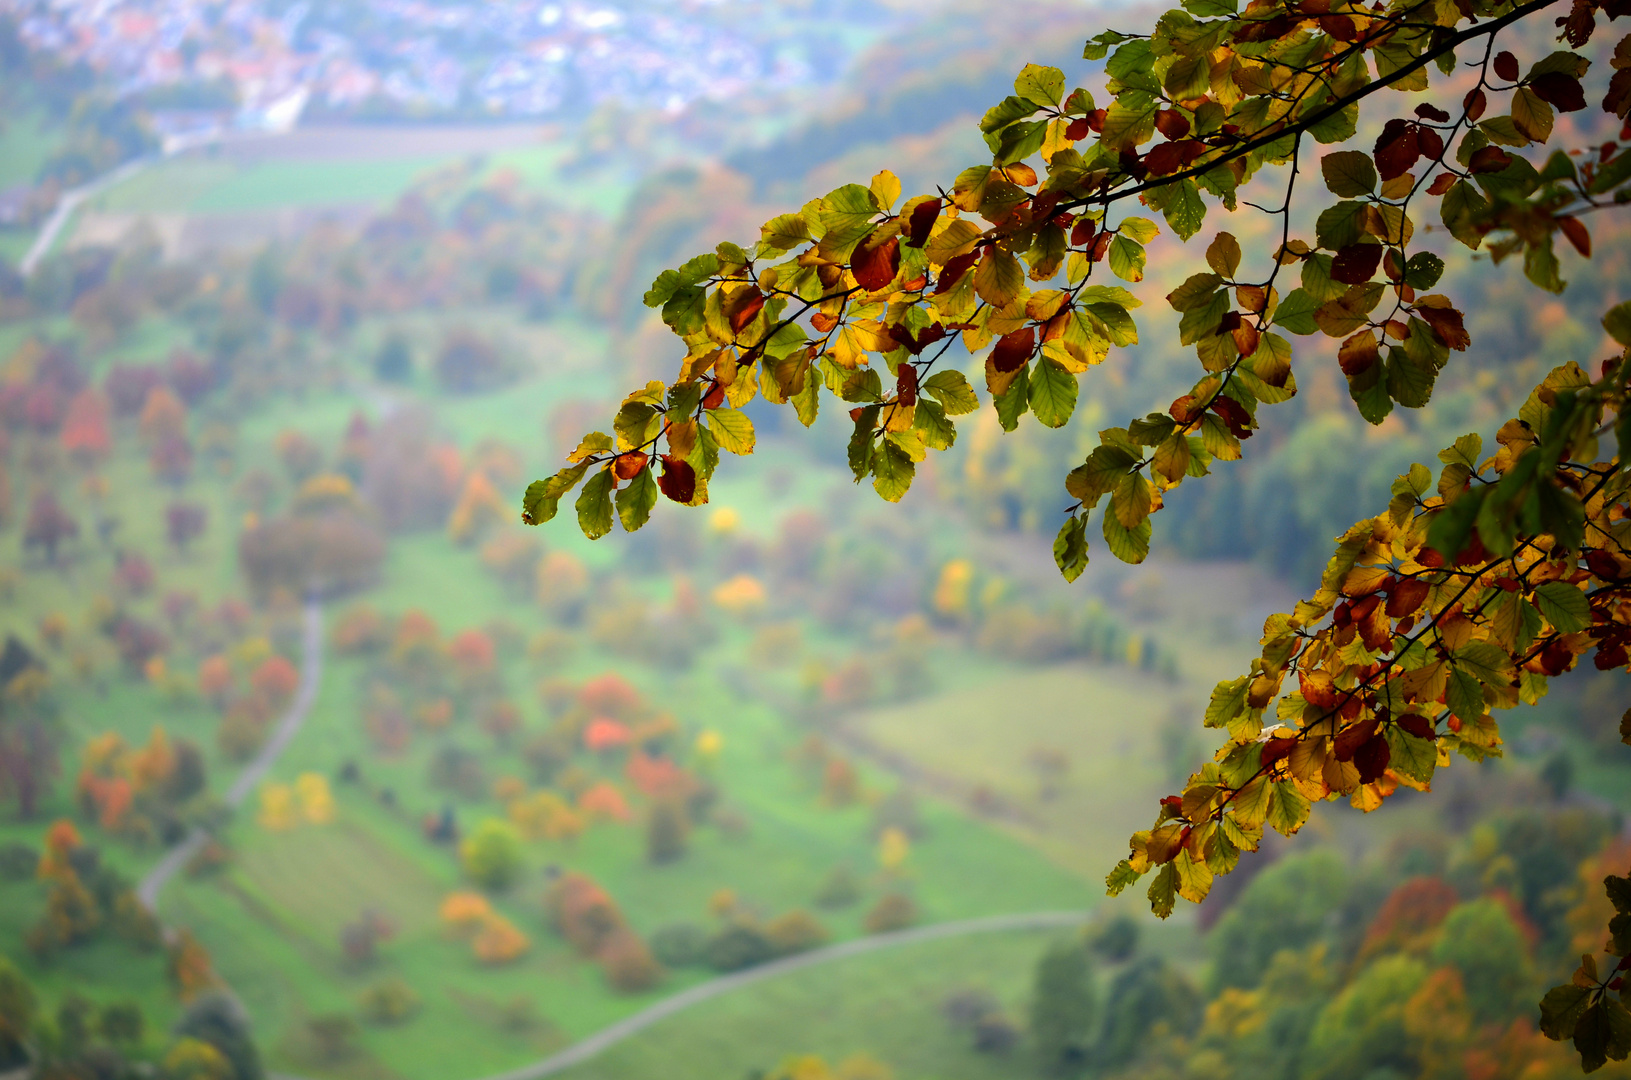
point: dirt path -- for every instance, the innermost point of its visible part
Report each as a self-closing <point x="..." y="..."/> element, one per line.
<point x="607" y="1037"/>
<point x="311" y="675"/>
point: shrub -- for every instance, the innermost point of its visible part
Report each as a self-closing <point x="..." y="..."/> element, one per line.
<point x="893" y="911"/>
<point x="492" y="854"/>
<point x="680" y="944"/>
<point x="994" y="1033"/>
<point x="795" y="931"/>
<point x="1064" y="1006"/>
<point x="17" y="861"/>
<point x="841" y="888"/>
<point x="666" y="831"/>
<point x="628" y="963"/>
<point x="738" y="945"/>
<point x="388" y="1002"/>
<point x="1115" y="940"/>
<point x="582" y="912"/>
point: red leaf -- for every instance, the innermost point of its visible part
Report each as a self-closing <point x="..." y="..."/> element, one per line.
<point x="1079" y="129"/>
<point x="744" y="305"/>
<point x="1581" y="21"/>
<point x="1356" y="263"/>
<point x="1560" y="90"/>
<point x="1352" y="737"/>
<point x="1416" y="725"/>
<point x="1276" y="749"/>
<point x="1185" y="410"/>
<point x="1095" y="120"/>
<point x="1171" y="123"/>
<point x="906" y="384"/>
<point x="953" y="271"/>
<point x="823" y="323"/>
<point x="1372" y="758"/>
<point x="1100" y="246"/>
<point x="1431" y="112"/>
<point x="1396" y="149"/>
<point x="1168" y="157"/>
<point x="1431" y="143"/>
<point x="1603" y="565"/>
<point x="715" y="397"/>
<point x="921" y="222"/>
<point x="916" y="343"/>
<point x="1448" y="325"/>
<point x="1406" y="597"/>
<point x="1014" y="350"/>
<point x="1082" y="232"/>
<point x="1441" y="183"/>
<point x="1489" y="159"/>
<point x="1234" y="415"/>
<point x="628" y="465"/>
<point x="679" y="480"/>
<point x="875" y="267"/>
<point x="1474" y="104"/>
<point x="1506" y="66"/>
<point x="1577" y="234"/>
<point x="1339" y="27"/>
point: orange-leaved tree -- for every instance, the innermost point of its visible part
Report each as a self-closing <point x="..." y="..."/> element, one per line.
<point x="1466" y="593"/>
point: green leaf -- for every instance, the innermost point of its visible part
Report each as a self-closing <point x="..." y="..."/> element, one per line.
<point x="1410" y="756"/>
<point x="1070" y="547"/>
<point x="861" y="442"/>
<point x="1460" y="209"/>
<point x="1129" y="545"/>
<point x="807" y="402"/>
<point x="543" y="497"/>
<point x="1052" y="393"/>
<point x="1228" y="701"/>
<point x="1288" y="809"/>
<point x="929" y="421"/>
<point x="1041" y="86"/>
<point x="1163" y="890"/>
<point x="1185" y="212"/>
<point x="1465" y="696"/>
<point x="780" y="235"/>
<point x="732" y="429"/>
<point x="594" y="505"/>
<point x="1140" y="229"/>
<point x="892" y="471"/>
<point x="634" y="502"/>
<point x="1296" y="313"/>
<point x="1127" y="259"/>
<point x="1423" y="270"/>
<point x="1104" y="468"/>
<point x="952" y="390"/>
<point x="1618" y="320"/>
<point x="1564" y="606"/>
<point x="1349" y="174"/>
<point x="1561" y="1009"/>
<point x="1012" y="403"/>
<point x="1121" y="877"/>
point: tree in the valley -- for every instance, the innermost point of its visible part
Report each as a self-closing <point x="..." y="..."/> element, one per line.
<point x="492" y="854"/>
<point x="48" y="526"/>
<point x="87" y="433"/>
<point x="1467" y="592"/>
<point x="1064" y="1007"/>
<point x="183" y="523"/>
<point x="30" y="730"/>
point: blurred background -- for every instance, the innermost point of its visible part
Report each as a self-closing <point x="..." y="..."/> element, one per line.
<point x="298" y="295"/>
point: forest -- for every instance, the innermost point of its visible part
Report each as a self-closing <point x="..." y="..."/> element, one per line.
<point x="317" y="762"/>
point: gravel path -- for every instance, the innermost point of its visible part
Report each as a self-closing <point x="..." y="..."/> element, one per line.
<point x="311" y="675"/>
<point x="607" y="1037"/>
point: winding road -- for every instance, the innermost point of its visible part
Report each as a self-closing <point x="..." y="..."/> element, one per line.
<point x="311" y="675"/>
<point x="605" y="1038"/>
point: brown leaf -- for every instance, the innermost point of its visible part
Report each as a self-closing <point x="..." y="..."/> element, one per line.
<point x="875" y="267"/>
<point x="953" y="271"/>
<point x="1575" y="230"/>
<point x="679" y="480"/>
<point x="1014" y="350"/>
<point x="1234" y="415"/>
<point x="1246" y="338"/>
<point x="1419" y="726"/>
<point x="1358" y="354"/>
<point x="1372" y="758"/>
<point x="921" y="222"/>
<point x="628" y="465"/>
<point x="1352" y="737"/>
<point x="1560" y="90"/>
<point x="1406" y="597"/>
<point x="1397" y="149"/>
<point x="1447" y="324"/>
<point x="742" y="305"/>
<point x="1489" y="159"/>
<point x="1474" y="104"/>
<point x="1506" y="66"/>
<point x="906" y="384"/>
<point x="1356" y="263"/>
<point x="1171" y="123"/>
